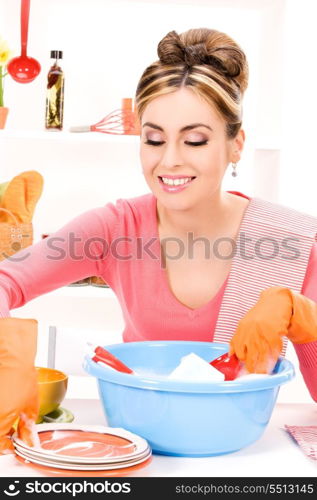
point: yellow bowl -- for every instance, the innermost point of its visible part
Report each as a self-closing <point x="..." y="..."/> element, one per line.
<point x="52" y="389"/>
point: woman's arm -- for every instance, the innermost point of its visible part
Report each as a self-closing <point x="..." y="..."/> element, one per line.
<point x="307" y="353"/>
<point x="76" y="251"/>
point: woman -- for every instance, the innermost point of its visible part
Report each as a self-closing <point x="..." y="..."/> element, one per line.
<point x="190" y="261"/>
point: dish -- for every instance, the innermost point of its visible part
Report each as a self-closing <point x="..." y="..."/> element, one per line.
<point x="52" y="387"/>
<point x="84" y="448"/>
<point x="60" y="415"/>
<point x="52" y="472"/>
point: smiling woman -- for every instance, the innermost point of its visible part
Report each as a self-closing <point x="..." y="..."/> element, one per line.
<point x="185" y="146"/>
<point x="189" y="261"/>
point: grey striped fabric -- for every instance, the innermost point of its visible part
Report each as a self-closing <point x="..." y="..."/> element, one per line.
<point x="306" y="437"/>
<point x="273" y="249"/>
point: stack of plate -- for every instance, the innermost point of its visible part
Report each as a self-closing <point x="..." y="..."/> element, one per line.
<point x="84" y="447"/>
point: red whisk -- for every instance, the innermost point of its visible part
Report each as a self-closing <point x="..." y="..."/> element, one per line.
<point x="120" y="121"/>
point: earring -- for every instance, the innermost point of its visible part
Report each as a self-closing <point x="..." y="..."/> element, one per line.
<point x="234" y="172"/>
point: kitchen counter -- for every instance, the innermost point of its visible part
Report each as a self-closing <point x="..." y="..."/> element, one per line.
<point x="275" y="454"/>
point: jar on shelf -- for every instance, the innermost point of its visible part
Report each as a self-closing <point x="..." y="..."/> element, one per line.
<point x="84" y="282"/>
<point x="97" y="281"/>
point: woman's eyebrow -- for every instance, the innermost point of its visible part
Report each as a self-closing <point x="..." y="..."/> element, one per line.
<point x="187" y="127"/>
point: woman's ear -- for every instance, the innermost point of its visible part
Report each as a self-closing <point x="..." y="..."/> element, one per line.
<point x="237" y="146"/>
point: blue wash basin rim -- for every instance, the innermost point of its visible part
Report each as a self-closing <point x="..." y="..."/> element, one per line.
<point x="151" y="383"/>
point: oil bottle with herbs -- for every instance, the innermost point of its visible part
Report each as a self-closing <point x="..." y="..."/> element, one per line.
<point x="55" y="94"/>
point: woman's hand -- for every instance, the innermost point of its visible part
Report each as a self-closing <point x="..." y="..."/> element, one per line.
<point x="18" y="380"/>
<point x="279" y="312"/>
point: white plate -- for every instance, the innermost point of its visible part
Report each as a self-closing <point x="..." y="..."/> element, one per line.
<point x="141" y="446"/>
<point x="60" y="459"/>
<point x="57" y="465"/>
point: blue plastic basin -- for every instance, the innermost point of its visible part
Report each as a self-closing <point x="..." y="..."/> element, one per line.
<point x="185" y="418"/>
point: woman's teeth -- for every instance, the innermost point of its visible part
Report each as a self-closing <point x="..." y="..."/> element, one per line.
<point x="176" y="182"/>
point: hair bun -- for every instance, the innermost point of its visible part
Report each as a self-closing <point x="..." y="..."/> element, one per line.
<point x="196" y="54"/>
<point x="170" y="49"/>
<point x="206" y="46"/>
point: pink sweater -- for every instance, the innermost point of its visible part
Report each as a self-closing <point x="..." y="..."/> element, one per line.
<point x="120" y="243"/>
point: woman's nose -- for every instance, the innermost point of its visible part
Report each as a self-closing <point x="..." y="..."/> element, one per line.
<point x="171" y="156"/>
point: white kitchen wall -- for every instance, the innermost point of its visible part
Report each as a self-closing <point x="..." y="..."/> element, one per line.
<point x="106" y="45"/>
<point x="298" y="173"/>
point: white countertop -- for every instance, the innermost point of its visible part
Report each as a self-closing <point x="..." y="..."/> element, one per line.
<point x="275" y="454"/>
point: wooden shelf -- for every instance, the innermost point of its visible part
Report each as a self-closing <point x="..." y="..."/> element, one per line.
<point x="264" y="143"/>
<point x="87" y="292"/>
<point x="65" y="136"/>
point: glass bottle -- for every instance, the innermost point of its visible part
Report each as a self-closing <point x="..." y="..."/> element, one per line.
<point x="97" y="281"/>
<point x="55" y="94"/>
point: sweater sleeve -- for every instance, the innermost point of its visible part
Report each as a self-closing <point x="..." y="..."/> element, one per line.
<point x="307" y="353"/>
<point x="78" y="250"/>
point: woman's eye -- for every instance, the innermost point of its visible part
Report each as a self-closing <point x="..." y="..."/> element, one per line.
<point x="153" y="143"/>
<point x="156" y="143"/>
<point x="200" y="143"/>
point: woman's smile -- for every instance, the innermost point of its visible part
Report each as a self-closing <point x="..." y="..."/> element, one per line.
<point x="176" y="183"/>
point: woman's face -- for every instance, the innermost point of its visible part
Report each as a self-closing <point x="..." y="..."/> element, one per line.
<point x="184" y="149"/>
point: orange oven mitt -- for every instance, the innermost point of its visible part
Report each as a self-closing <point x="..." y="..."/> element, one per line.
<point x="18" y="380"/>
<point x="20" y="196"/>
<point x="279" y="312"/>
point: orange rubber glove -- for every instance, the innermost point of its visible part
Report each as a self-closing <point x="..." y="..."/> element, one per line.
<point x="279" y="312"/>
<point x="18" y="380"/>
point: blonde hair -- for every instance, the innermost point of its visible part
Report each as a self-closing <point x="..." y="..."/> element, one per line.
<point x="208" y="62"/>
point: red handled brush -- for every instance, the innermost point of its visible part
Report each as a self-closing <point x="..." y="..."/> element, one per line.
<point x="104" y="356"/>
